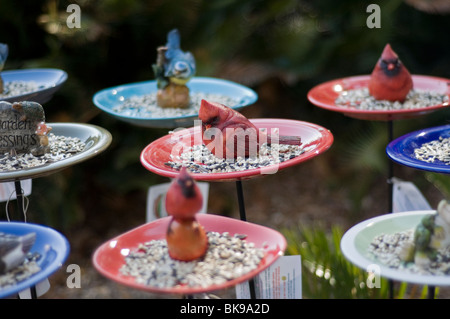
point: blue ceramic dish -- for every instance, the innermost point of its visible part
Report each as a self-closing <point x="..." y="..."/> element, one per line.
<point x="108" y="99"/>
<point x="401" y="150"/>
<point x="50" y="244"/>
<point x="49" y="81"/>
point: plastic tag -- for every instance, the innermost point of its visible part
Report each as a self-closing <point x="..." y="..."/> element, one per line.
<point x="8" y="190"/>
<point x="156" y="197"/>
<point x="281" y="280"/>
<point x="407" y="197"/>
<point x="41" y="288"/>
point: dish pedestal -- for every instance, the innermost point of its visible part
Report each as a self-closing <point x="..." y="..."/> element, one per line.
<point x="96" y="139"/>
<point x="325" y="94"/>
<point x="401" y="151"/>
<point x="315" y="139"/>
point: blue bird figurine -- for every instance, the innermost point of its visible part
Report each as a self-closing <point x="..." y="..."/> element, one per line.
<point x="173" y="69"/>
<point x="3" y="56"/>
<point x="14" y="249"/>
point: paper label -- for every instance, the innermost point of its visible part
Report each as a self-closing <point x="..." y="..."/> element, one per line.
<point x="407" y="197"/>
<point x="281" y="280"/>
<point x="156" y="197"/>
<point x="8" y="190"/>
<point x="41" y="288"/>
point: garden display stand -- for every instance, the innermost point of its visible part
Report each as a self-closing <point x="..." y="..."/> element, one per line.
<point x="325" y="94"/>
<point x="315" y="140"/>
<point x="108" y="259"/>
<point x="96" y="140"/>
<point x="401" y="151"/>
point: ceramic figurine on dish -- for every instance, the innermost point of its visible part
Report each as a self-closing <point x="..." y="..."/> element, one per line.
<point x="234" y="135"/>
<point x="390" y="79"/>
<point x="186" y="238"/>
<point x="13" y="250"/>
<point x="3" y="56"/>
<point x="431" y="235"/>
<point x="173" y="69"/>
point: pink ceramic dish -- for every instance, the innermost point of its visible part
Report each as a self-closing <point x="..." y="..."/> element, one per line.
<point x="110" y="256"/>
<point x="325" y="94"/>
<point x="157" y="153"/>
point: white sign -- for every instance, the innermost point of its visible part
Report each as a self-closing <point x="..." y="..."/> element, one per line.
<point x="281" y="280"/>
<point x="407" y="197"/>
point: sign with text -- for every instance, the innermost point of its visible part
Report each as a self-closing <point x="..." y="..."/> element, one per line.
<point x="22" y="128"/>
<point x="281" y="280"/>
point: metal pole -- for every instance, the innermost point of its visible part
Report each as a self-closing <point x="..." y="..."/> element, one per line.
<point x="240" y="194"/>
<point x="20" y="202"/>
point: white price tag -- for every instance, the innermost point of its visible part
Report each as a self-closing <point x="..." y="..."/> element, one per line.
<point x="156" y="197"/>
<point x="8" y="190"/>
<point x="41" y="288"/>
<point x="281" y="280"/>
<point x="407" y="197"/>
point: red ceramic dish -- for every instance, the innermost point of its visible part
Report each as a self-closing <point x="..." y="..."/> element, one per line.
<point x="110" y="256"/>
<point x="158" y="152"/>
<point x="324" y="95"/>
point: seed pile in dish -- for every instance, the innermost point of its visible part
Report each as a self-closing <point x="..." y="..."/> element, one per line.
<point x="387" y="249"/>
<point x="146" y="106"/>
<point x="16" y="88"/>
<point x="198" y="159"/>
<point x="61" y="147"/>
<point x="228" y="257"/>
<point x="434" y="150"/>
<point x="362" y="100"/>
<point x="21" y="272"/>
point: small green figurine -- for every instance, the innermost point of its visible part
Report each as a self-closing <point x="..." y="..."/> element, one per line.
<point x="3" y="56"/>
<point x="432" y="234"/>
<point x="173" y="69"/>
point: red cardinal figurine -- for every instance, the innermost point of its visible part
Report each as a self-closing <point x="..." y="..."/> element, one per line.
<point x="390" y="80"/>
<point x="231" y="127"/>
<point x="186" y="238"/>
<point x="183" y="198"/>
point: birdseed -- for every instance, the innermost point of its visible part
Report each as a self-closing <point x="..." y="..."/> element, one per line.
<point x="61" y="147"/>
<point x="434" y="151"/>
<point x="198" y="159"/>
<point x="387" y="249"/>
<point x="28" y="268"/>
<point x="362" y="100"/>
<point x="16" y="88"/>
<point x="227" y="258"/>
<point x="146" y="105"/>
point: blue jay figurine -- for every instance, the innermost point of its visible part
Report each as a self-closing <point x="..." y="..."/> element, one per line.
<point x="173" y="69"/>
<point x="3" y="56"/>
<point x="14" y="249"/>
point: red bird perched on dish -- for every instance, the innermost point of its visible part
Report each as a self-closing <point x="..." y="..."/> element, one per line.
<point x="186" y="238"/>
<point x="390" y="80"/>
<point x="234" y="135"/>
<point x="183" y="198"/>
